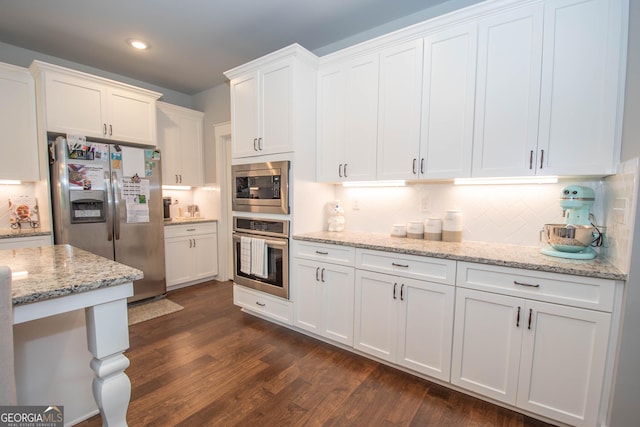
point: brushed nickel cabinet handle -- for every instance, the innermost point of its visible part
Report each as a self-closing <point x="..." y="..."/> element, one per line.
<point x="541" y="158"/>
<point x="260" y="147"/>
<point x="345" y="170"/>
<point x="530" y="316"/>
<point x="322" y="253"/>
<point x="322" y="275"/>
<point x="402" y="292"/>
<point x="110" y="130"/>
<point x="518" y="318"/>
<point x="104" y="128"/>
<point x="400" y="265"/>
<point x="531" y="160"/>
<point x="413" y="166"/>
<point x="255" y="144"/>
<point x="395" y="285"/>
<point x="422" y="165"/>
<point x="261" y="304"/>
<point x="340" y="170"/>
<point x="317" y="271"/>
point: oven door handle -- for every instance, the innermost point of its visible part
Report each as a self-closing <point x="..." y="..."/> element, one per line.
<point x="270" y="242"/>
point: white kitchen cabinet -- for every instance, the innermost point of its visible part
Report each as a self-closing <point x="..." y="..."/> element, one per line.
<point x="322" y="290"/>
<point x="262" y="304"/>
<point x="508" y="92"/>
<point x="24" y="242"/>
<point x="580" y="103"/>
<point x="180" y="139"/>
<point x="405" y="321"/>
<point x="323" y="299"/>
<point x="399" y="111"/>
<point x="191" y="253"/>
<point x="514" y="347"/>
<point x="265" y="101"/>
<point x="19" y="160"/>
<point x="347" y="119"/>
<point x="82" y="104"/>
<point x="448" y="97"/>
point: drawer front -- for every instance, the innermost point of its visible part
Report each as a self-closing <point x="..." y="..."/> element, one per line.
<point x="263" y="304"/>
<point x="190" y="229"/>
<point x="411" y="266"/>
<point x="335" y="254"/>
<point x="577" y="291"/>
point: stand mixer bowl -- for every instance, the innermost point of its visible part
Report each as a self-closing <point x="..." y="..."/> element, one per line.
<point x="568" y="237"/>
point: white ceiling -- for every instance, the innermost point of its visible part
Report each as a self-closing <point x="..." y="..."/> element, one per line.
<point x="192" y="41"/>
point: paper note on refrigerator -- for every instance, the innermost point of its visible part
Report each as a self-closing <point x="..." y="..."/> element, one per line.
<point x="136" y="198"/>
<point x="132" y="161"/>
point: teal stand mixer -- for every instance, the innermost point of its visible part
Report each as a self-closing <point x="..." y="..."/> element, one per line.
<point x="574" y="238"/>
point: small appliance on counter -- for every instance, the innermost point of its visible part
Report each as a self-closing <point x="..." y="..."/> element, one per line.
<point x="573" y="239"/>
<point x="166" y="202"/>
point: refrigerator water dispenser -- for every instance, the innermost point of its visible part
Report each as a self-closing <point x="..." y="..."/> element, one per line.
<point x="87" y="206"/>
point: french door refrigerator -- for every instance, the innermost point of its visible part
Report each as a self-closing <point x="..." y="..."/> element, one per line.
<point x="107" y="199"/>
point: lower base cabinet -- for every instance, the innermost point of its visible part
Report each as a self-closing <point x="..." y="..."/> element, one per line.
<point x="324" y="299"/>
<point x="263" y="304"/>
<point x="191" y="253"/>
<point x="25" y="242"/>
<point x="545" y="358"/>
<point x="405" y="321"/>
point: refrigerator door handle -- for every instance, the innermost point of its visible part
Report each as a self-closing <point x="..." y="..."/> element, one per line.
<point x="109" y="203"/>
<point x="116" y="204"/>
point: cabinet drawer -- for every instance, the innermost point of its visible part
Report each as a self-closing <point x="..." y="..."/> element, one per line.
<point x="411" y="266"/>
<point x="25" y="242"/>
<point x="263" y="304"/>
<point x="190" y="229"/>
<point x="577" y="291"/>
<point x="335" y="254"/>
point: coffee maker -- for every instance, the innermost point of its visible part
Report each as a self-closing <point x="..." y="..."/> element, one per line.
<point x="574" y="238"/>
<point x="166" y="202"/>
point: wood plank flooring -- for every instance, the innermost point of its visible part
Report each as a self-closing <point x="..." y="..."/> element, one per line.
<point x="212" y="365"/>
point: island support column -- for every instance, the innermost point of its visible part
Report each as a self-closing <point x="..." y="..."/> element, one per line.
<point x="107" y="339"/>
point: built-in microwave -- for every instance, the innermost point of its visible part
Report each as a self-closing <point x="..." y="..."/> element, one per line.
<point x="261" y="187"/>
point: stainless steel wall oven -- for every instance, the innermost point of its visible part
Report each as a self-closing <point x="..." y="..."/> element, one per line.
<point x="261" y="187"/>
<point x="268" y="240"/>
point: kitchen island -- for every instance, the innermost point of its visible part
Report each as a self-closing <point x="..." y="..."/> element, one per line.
<point x="49" y="284"/>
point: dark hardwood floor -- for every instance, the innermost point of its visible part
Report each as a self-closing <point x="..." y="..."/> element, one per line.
<point x="212" y="365"/>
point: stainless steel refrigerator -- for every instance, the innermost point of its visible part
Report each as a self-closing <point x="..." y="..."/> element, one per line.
<point x="107" y="199"/>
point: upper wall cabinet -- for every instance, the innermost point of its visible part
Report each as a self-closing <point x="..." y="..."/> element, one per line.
<point x="399" y="111"/>
<point x="180" y="139"/>
<point x="549" y="98"/>
<point x="508" y="92"/>
<point x="19" y="159"/>
<point x="448" y="102"/>
<point x="582" y="87"/>
<point x="79" y="103"/>
<point x="347" y="120"/>
<point x="265" y="94"/>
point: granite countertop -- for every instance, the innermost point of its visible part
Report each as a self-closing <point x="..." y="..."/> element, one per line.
<point x="8" y="233"/>
<point x="55" y="271"/>
<point x="506" y="255"/>
<point x="182" y="221"/>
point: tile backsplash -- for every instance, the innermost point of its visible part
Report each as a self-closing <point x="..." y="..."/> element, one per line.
<point x="491" y="213"/>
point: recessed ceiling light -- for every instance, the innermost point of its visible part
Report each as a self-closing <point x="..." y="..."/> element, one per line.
<point x="138" y="44"/>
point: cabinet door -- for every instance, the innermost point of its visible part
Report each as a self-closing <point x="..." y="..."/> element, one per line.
<point x="74" y="105"/>
<point x="178" y="259"/>
<point x="376" y="314"/>
<point x="169" y="144"/>
<point x="360" y="138"/>
<point x="131" y="117"/>
<point x="448" y="102"/>
<point x="338" y="298"/>
<point x="426" y="327"/>
<point x="580" y="86"/>
<point x="306" y="293"/>
<point x="244" y="115"/>
<point x="331" y="122"/>
<point x="486" y="345"/>
<point x="19" y="158"/>
<point x="276" y="104"/>
<point x="399" y="111"/>
<point x="191" y="150"/>
<point x="508" y="93"/>
<point x="205" y="253"/>
<point x="563" y="359"/>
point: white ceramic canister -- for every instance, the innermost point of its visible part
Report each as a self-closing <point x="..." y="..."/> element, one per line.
<point x="433" y="229"/>
<point x="415" y="230"/>
<point x="452" y="226"/>
<point x="398" y="230"/>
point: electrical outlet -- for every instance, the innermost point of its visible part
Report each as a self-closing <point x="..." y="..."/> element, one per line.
<point x="356" y="205"/>
<point x="175" y="201"/>
<point x="425" y="204"/>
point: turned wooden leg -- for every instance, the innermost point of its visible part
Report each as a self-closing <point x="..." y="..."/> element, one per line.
<point x="108" y="338"/>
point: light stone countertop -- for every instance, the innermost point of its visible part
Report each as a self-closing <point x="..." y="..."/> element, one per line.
<point x="8" y="233"/>
<point x="506" y="255"/>
<point x="178" y="221"/>
<point x="56" y="271"/>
